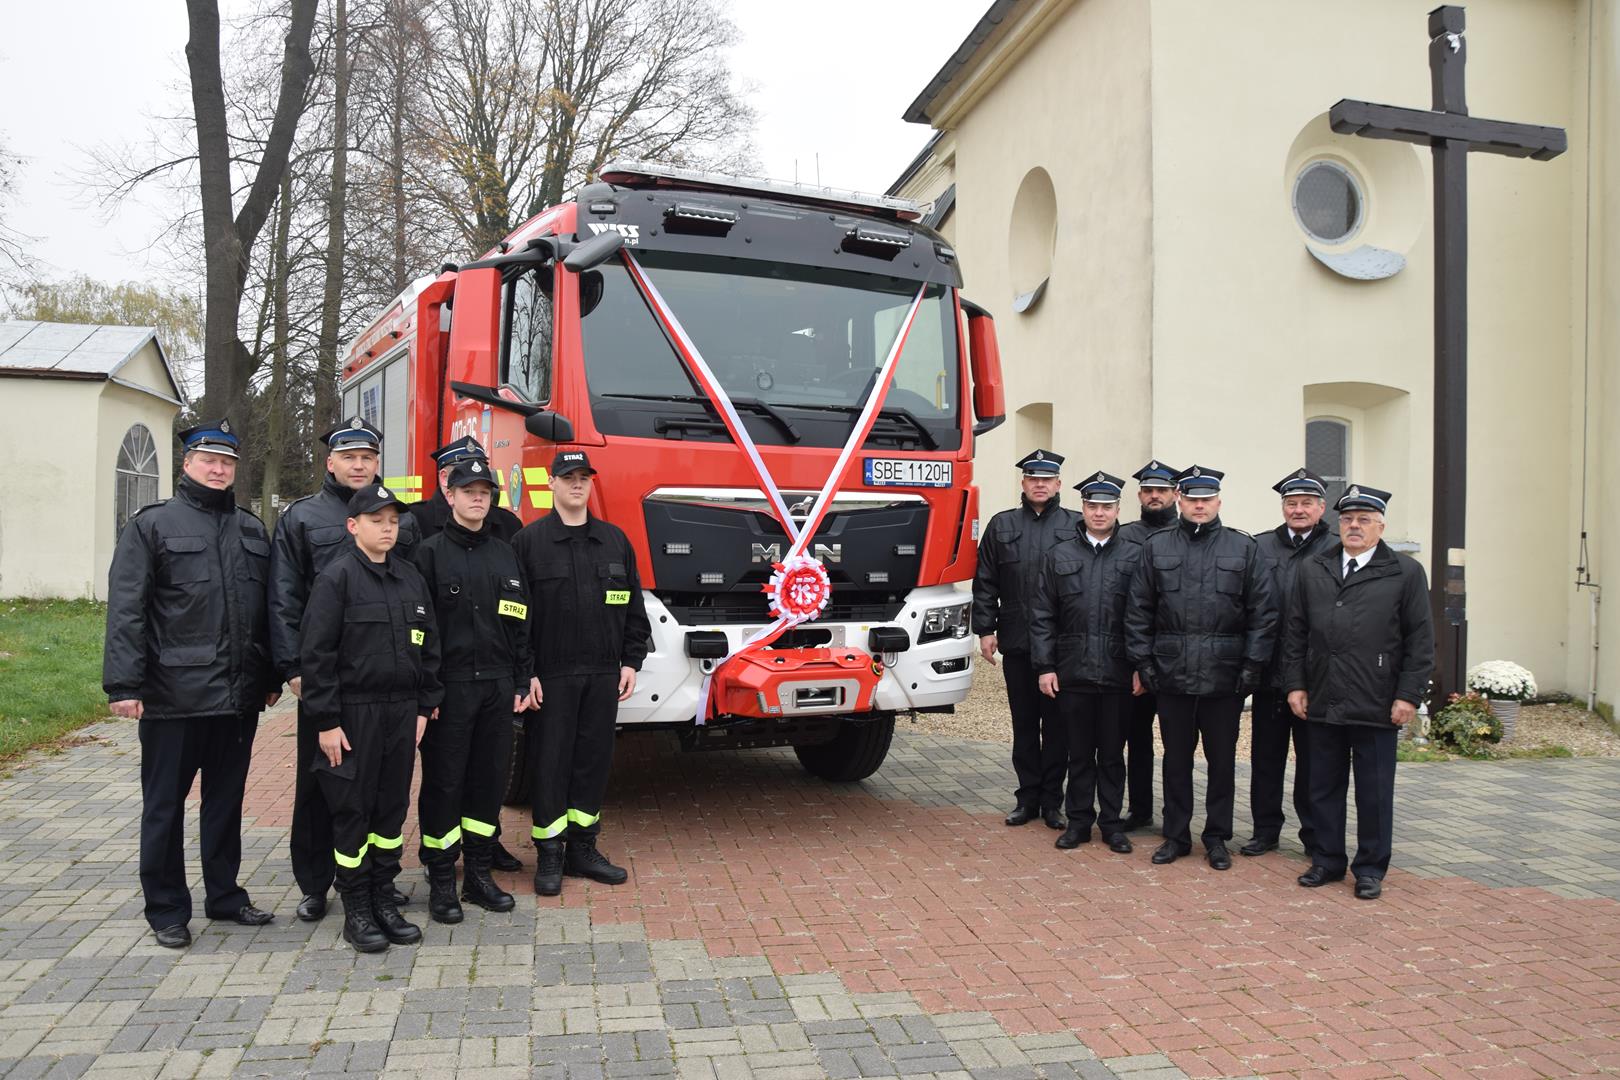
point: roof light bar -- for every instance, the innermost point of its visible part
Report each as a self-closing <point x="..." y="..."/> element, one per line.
<point x="628" y="172"/>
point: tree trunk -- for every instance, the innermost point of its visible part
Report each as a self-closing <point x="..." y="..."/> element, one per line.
<point x="227" y="240"/>
<point x="396" y="139"/>
<point x="326" y="399"/>
<point x="276" y="399"/>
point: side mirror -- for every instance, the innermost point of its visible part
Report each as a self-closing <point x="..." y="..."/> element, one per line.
<point x="550" y="426"/>
<point x="984" y="356"/>
<point x="594" y="252"/>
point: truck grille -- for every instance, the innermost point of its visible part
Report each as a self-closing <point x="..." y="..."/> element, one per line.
<point x="696" y="608"/>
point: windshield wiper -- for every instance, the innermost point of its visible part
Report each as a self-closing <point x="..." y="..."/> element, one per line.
<point x="762" y="408"/>
<point x="888" y="412"/>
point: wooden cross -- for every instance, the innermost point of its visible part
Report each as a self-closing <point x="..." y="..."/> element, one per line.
<point x="1450" y="133"/>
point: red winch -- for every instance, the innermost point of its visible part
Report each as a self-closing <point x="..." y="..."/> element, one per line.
<point x="796" y="682"/>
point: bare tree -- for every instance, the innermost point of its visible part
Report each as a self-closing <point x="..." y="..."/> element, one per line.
<point x="326" y="403"/>
<point x="12" y="242"/>
<point x="229" y="234"/>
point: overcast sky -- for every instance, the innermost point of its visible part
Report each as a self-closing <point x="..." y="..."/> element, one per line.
<point x="831" y="78"/>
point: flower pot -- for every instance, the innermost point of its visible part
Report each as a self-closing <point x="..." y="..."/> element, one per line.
<point x="1507" y="711"/>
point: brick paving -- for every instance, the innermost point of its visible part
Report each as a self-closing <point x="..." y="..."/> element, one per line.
<point x="777" y="926"/>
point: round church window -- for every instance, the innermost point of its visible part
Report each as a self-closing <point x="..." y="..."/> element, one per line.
<point x="1327" y="202"/>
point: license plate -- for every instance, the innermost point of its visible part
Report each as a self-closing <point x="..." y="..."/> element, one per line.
<point x="907" y="472"/>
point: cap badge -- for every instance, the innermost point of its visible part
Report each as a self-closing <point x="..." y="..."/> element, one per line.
<point x="477" y="467"/>
<point x="1354" y="493"/>
<point x="225" y="426"/>
<point x="1300" y="475"/>
<point x="1153" y="465"/>
<point x="1099" y="477"/>
<point x="1040" y="455"/>
<point x="357" y="423"/>
<point x="1197" y="471"/>
<point x="382" y="493"/>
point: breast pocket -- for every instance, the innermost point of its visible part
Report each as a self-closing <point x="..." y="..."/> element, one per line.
<point x="366" y="629"/>
<point x="255" y="558"/>
<point x="185" y="560"/>
<point x="1007" y="546"/>
<point x="1229" y="575"/>
<point x="416" y="622"/>
<point x="512" y="602"/>
<point x="1167" y="572"/>
<point x="615" y="581"/>
<point x="325" y="544"/>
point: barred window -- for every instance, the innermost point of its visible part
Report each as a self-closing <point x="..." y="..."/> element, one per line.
<point x="136" y="477"/>
<point x="1327" y="454"/>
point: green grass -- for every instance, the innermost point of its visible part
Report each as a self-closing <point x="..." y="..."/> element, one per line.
<point x="50" y="670"/>
<point x="1516" y="753"/>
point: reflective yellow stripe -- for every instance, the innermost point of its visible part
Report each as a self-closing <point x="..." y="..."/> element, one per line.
<point x="350" y="862"/>
<point x="385" y="842"/>
<point x="513" y="608"/>
<point x="540" y="498"/>
<point x="546" y="832"/>
<point x="536" y="475"/>
<point x="618" y="596"/>
<point x="408" y="489"/>
<point x="536" y="479"/>
<point x="477" y="828"/>
<point x="418" y="637"/>
<point x="442" y="842"/>
<point x="580" y="817"/>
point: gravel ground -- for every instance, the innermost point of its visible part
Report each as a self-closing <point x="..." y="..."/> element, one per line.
<point x="983" y="716"/>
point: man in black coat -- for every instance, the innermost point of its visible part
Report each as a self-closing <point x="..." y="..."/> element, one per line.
<point x="1284" y="549"/>
<point x="1199" y="629"/>
<point x="1357" y="653"/>
<point x="432" y="513"/>
<point x="430" y="516"/>
<point x="488" y="674"/>
<point x="590" y="633"/>
<point x="1156" y="493"/>
<point x="187" y="654"/>
<point x="1010" y="554"/>
<point x="311" y="534"/>
<point x="1077" y="647"/>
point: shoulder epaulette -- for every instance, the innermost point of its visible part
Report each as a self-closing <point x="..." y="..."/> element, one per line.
<point x="148" y="506"/>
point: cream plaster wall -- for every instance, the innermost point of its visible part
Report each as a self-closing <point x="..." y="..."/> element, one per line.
<point x="1076" y="104"/>
<point x="53" y="555"/>
<point x="1243" y="316"/>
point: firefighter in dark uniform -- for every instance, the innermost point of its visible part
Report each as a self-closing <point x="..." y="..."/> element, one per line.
<point x="431" y="514"/>
<point x="1010" y="554"/>
<point x="187" y="653"/>
<point x="1284" y="549"/>
<point x="1156" y="493"/>
<point x="369" y="655"/>
<point x="488" y="675"/>
<point x="312" y="532"/>
<point x="1357" y="653"/>
<point x="590" y="633"/>
<point x="1199" y="629"/>
<point x="1077" y="647"/>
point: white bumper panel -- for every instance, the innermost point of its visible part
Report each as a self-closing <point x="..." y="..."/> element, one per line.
<point x="667" y="687"/>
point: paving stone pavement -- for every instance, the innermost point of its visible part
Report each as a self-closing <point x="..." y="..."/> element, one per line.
<point x="776" y="926"/>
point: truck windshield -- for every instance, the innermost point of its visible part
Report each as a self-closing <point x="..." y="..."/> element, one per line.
<point x="804" y="341"/>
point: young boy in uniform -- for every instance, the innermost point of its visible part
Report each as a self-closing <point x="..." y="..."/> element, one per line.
<point x="370" y="661"/>
<point x="483" y="613"/>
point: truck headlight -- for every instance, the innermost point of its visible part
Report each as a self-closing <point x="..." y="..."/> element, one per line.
<point x="944" y="622"/>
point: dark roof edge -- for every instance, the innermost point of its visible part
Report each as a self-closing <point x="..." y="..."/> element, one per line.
<point x="916" y="163"/>
<point x="917" y="112"/>
<point x="942" y="209"/>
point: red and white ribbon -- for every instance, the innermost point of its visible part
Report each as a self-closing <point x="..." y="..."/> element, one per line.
<point x="798" y="572"/>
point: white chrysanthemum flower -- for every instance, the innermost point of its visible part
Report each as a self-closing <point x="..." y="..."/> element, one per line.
<point x="1502" y="679"/>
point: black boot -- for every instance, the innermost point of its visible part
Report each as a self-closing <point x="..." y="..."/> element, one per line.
<point x="359" y="924"/>
<point x="477" y="887"/>
<point x="442" y="903"/>
<point x="583" y="860"/>
<point x="391" y="922"/>
<point x="503" y="860"/>
<point x="548" y="869"/>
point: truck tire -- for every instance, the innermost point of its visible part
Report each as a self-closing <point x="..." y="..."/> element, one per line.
<point x="517" y="776"/>
<point x="854" y="753"/>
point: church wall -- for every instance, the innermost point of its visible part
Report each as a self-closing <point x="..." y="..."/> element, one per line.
<point x="1076" y="106"/>
<point x="44" y="558"/>
<point x="1245" y="319"/>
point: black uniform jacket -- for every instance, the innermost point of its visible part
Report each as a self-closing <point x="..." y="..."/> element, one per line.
<point x="482" y="606"/>
<point x="1355" y="646"/>
<point x="1077" y="614"/>
<point x="1283" y="559"/>
<point x="1201" y="611"/>
<point x="587" y="615"/>
<point x="1010" y="555"/>
<point x="187" y="627"/>
<point x="312" y="532"/>
<point x="1140" y="530"/>
<point x="369" y="636"/>
<point x="432" y="514"/>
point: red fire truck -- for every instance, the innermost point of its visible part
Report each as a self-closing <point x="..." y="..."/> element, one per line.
<point x="794" y="296"/>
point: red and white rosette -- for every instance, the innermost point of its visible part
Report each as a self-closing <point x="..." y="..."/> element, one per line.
<point x="798" y="590"/>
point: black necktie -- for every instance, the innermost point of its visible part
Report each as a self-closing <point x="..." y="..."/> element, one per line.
<point x="1299" y="541"/>
<point x="1350" y="569"/>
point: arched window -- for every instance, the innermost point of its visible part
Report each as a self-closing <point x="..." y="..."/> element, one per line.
<point x="1327" y="454"/>
<point x="136" y="478"/>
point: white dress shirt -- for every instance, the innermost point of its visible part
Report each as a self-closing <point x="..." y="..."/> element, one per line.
<point x="1359" y="560"/>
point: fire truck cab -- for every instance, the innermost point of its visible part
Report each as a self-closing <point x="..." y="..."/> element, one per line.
<point x="794" y="296"/>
